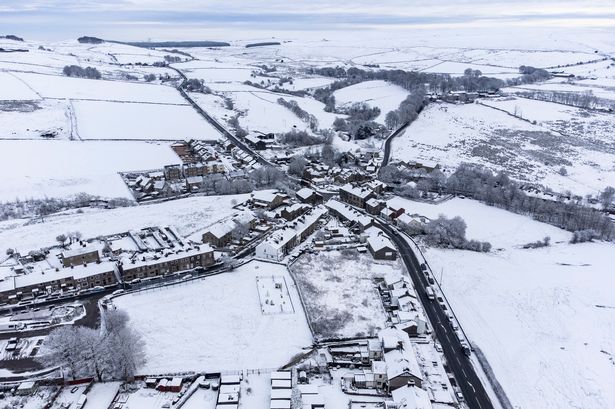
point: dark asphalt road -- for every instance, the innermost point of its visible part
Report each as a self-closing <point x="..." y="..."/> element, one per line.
<point x="472" y="388"/>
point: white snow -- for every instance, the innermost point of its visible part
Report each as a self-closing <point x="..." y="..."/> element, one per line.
<point x="101" y="395"/>
<point x="187" y="215"/>
<point x="53" y="86"/>
<point x="534" y="313"/>
<point x="31" y="120"/>
<point x="507" y="230"/>
<point x="378" y="93"/>
<point x="452" y="134"/>
<point x="137" y="121"/>
<point x="64" y="168"/>
<point x="13" y="89"/>
<point x="216" y="324"/>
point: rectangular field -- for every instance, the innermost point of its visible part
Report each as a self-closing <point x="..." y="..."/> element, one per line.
<point x="217" y="323"/>
<point x="65" y="168"/>
<point x="340" y="292"/>
<point x="103" y="120"/>
<point x="54" y="86"/>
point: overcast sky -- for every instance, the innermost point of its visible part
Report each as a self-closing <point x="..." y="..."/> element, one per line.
<point x="143" y="19"/>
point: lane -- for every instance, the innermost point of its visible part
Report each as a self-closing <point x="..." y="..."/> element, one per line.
<point x="458" y="363"/>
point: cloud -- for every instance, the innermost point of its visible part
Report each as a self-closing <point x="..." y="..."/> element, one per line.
<point x="73" y="16"/>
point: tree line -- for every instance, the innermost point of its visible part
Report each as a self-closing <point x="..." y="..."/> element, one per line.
<point x="302" y="114"/>
<point x="585" y="99"/>
<point x="497" y="189"/>
<point x="48" y="205"/>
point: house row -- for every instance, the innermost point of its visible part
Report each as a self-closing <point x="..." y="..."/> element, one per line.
<point x="279" y="243"/>
<point x="229" y="392"/>
<point x="281" y="390"/>
<point x="392" y="363"/>
<point x="356" y="196"/>
<point x="26" y="286"/>
<point x="267" y="199"/>
<point x="221" y="234"/>
<point x="177" y="172"/>
<point x="403" y="306"/>
<point x="348" y="214"/>
<point x="147" y="265"/>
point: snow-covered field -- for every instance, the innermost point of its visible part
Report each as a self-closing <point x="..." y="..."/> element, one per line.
<point x="137" y="121"/>
<point x="511" y="230"/>
<point x="13" y="89"/>
<point x="453" y="134"/>
<point x="30" y="120"/>
<point x="216" y="323"/>
<point x="64" y="168"/>
<point x="379" y="94"/>
<point x="187" y="215"/>
<point x="542" y="317"/>
<point x="59" y="87"/>
<point x="340" y="292"/>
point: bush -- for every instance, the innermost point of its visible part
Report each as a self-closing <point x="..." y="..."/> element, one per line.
<point x="546" y="242"/>
<point x="582" y="236"/>
<point x="196" y="85"/>
<point x="443" y="232"/>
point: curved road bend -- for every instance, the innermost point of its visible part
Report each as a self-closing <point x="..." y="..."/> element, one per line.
<point x="473" y="391"/>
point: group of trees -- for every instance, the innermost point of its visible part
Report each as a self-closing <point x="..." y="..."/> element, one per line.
<point x="172" y="58"/>
<point x="219" y="185"/>
<point x="296" y="138"/>
<point x="451" y="233"/>
<point x="501" y="191"/>
<point x="115" y="351"/>
<point x="267" y="176"/>
<point x="359" y="123"/>
<point x="196" y="85"/>
<point x="77" y="71"/>
<point x="473" y="80"/>
<point x="71" y="237"/>
<point x="239" y="130"/>
<point x="529" y="75"/>
<point x="302" y="114"/>
<point x="46" y="206"/>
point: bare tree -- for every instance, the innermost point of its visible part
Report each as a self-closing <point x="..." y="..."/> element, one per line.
<point x="61" y="238"/>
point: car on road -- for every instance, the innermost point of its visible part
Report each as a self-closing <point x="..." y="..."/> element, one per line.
<point x="97" y="289"/>
<point x="430" y="293"/>
<point x="459" y="396"/>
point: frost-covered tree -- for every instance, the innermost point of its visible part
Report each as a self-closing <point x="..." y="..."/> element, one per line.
<point x="607" y="196"/>
<point x="61" y="238"/>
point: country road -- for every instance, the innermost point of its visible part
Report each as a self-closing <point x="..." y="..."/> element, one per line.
<point x="470" y="384"/>
<point x="240" y="144"/>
